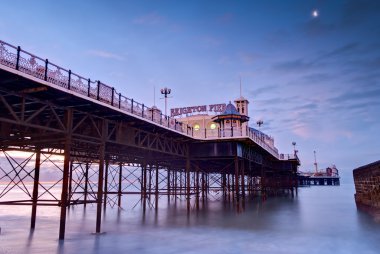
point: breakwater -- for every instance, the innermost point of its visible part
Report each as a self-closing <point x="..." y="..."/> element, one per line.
<point x="367" y="185"/>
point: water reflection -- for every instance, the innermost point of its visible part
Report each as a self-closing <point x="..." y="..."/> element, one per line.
<point x="318" y="220"/>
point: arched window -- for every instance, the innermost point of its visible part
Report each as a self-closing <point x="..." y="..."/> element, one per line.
<point x="196" y="127"/>
<point x="213" y="126"/>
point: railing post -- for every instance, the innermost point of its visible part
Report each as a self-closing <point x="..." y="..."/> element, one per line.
<point x="160" y="118"/>
<point x="132" y="106"/>
<point x="119" y="100"/>
<point x="205" y="133"/>
<point x="232" y="131"/>
<point x="18" y="57"/>
<point x="46" y="69"/>
<point x="97" y="95"/>
<point x="88" y="89"/>
<point x="168" y="119"/>
<point x="152" y="114"/>
<point x="112" y="96"/>
<point x="68" y="84"/>
<point x="192" y="131"/>
<point x="142" y="111"/>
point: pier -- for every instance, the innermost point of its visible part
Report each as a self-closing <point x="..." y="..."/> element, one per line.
<point x="102" y="145"/>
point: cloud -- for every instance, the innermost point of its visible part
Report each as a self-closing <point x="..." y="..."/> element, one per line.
<point x="262" y="90"/>
<point x="294" y="65"/>
<point x="105" y="54"/>
<point x="347" y="49"/>
<point x="149" y="19"/>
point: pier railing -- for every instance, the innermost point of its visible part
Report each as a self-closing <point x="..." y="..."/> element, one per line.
<point x="28" y="63"/>
<point x="32" y="65"/>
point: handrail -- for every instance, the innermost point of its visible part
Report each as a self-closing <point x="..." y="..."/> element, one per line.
<point x="23" y="61"/>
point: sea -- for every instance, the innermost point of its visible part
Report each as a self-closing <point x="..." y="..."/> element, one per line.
<point x="319" y="219"/>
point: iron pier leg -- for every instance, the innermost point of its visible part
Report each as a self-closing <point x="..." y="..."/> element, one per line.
<point x="144" y="187"/>
<point x="142" y="182"/>
<point x="168" y="187"/>
<point x="228" y="187"/>
<point x="237" y="179"/>
<point x="150" y="181"/>
<point x="197" y="188"/>
<point x="86" y="184"/>
<point x="101" y="174"/>
<point x="70" y="182"/>
<point x="119" y="187"/>
<point x="175" y="185"/>
<point x="243" y="179"/>
<point x="105" y="185"/>
<point x="262" y="183"/>
<point x="66" y="168"/>
<point x="188" y="182"/>
<point x="243" y="183"/>
<point x="156" y="192"/>
<point x="180" y="184"/>
<point x="35" y="188"/>
<point x="233" y="187"/>
<point x="203" y="187"/>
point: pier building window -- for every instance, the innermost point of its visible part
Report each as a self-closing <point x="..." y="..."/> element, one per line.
<point x="213" y="126"/>
<point x="196" y="127"/>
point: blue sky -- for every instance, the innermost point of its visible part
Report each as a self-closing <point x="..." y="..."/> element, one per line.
<point x="313" y="80"/>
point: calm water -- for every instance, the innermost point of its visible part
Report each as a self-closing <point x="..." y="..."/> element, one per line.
<point x="319" y="220"/>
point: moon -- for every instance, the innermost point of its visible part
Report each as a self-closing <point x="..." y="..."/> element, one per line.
<point x="315" y="13"/>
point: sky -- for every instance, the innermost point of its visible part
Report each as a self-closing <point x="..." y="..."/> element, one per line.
<point x="312" y="79"/>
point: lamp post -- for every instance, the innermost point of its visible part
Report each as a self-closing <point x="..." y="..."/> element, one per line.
<point x="294" y="145"/>
<point x="259" y="123"/>
<point x="165" y="91"/>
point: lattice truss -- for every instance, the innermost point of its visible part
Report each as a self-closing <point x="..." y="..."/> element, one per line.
<point x="83" y="186"/>
<point x="17" y="174"/>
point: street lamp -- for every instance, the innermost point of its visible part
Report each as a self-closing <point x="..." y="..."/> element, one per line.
<point x="259" y="123"/>
<point x="294" y="145"/>
<point x="165" y="91"/>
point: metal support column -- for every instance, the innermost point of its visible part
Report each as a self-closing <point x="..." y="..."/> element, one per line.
<point x="35" y="188"/>
<point x="101" y="174"/>
<point x="168" y="169"/>
<point x="197" y="188"/>
<point x="242" y="179"/>
<point x="70" y="182"/>
<point x="237" y="178"/>
<point x="188" y="182"/>
<point x="105" y="185"/>
<point x="119" y="186"/>
<point x="144" y="168"/>
<point x="156" y="191"/>
<point x="86" y="184"/>
<point x="66" y="168"/>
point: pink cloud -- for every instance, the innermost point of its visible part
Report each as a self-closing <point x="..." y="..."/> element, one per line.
<point x="149" y="19"/>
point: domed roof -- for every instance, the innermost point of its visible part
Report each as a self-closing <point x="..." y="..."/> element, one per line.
<point x="230" y="110"/>
<point x="230" y="113"/>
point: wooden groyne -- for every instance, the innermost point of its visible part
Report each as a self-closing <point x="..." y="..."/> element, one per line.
<point x="367" y="185"/>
